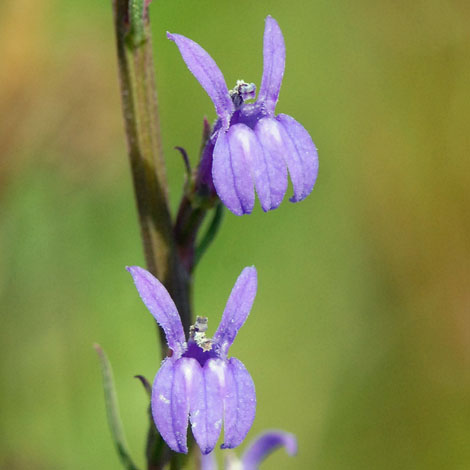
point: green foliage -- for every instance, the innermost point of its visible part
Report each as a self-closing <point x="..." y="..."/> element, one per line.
<point x="112" y="410"/>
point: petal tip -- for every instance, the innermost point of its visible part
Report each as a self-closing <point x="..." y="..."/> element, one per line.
<point x="270" y="19"/>
<point x="182" y="449"/>
<point x="138" y="273"/>
<point x="207" y="450"/>
<point x="291" y="445"/>
<point x="251" y="275"/>
<point x="250" y="271"/>
<point x="234" y="209"/>
<point x="237" y="210"/>
<point x="228" y="445"/>
<point x="170" y="36"/>
<point x="270" y="207"/>
<point x="132" y="270"/>
<point x="286" y="439"/>
<point x="297" y="198"/>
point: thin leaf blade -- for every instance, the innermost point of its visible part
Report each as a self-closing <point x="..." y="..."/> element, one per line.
<point x="112" y="410"/>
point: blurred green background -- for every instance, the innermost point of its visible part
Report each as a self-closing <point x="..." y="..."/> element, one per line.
<point x="359" y="340"/>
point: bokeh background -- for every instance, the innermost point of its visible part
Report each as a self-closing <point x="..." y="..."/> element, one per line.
<point x="359" y="340"/>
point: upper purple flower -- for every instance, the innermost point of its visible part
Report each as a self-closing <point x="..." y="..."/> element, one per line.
<point x="198" y="380"/>
<point x="258" y="449"/>
<point x="251" y="147"/>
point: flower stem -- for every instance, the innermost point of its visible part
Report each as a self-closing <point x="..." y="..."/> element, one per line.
<point x="139" y="101"/>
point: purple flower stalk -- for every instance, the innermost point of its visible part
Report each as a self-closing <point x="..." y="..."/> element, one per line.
<point x="256" y="452"/>
<point x="251" y="147"/>
<point x="198" y="379"/>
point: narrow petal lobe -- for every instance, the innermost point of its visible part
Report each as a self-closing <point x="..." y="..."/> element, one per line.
<point x="231" y="173"/>
<point x="246" y="148"/>
<point x="170" y="400"/>
<point x="274" y="58"/>
<point x="208" y="74"/>
<point x="222" y="175"/>
<point x="239" y="403"/>
<point x="266" y="443"/>
<point x="158" y="301"/>
<point x="207" y="405"/>
<point x="236" y="310"/>
<point x="268" y="135"/>
<point x="303" y="155"/>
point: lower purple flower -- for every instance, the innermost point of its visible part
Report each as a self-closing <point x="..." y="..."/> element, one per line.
<point x="257" y="451"/>
<point x="198" y="380"/>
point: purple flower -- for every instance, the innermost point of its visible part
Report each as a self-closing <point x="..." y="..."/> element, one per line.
<point x="256" y="452"/>
<point x="198" y="380"/>
<point x="251" y="147"/>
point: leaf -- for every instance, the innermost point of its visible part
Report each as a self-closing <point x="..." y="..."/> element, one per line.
<point x="210" y="234"/>
<point x="112" y="410"/>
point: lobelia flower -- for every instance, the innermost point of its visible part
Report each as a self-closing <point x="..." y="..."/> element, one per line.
<point x="198" y="379"/>
<point x="258" y="449"/>
<point x="251" y="147"/>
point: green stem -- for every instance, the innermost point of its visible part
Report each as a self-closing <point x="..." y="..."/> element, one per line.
<point x="139" y="102"/>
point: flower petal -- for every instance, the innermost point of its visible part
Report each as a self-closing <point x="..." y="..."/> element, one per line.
<point x="207" y="405"/>
<point x="276" y="141"/>
<point x="158" y="301"/>
<point x="171" y="392"/>
<point x="302" y="156"/>
<point x="266" y="443"/>
<point x="239" y="403"/>
<point x="231" y="168"/>
<point x="268" y="135"/>
<point x="274" y="58"/>
<point x="222" y="175"/>
<point x="204" y="68"/>
<point x="258" y="169"/>
<point x="236" y="310"/>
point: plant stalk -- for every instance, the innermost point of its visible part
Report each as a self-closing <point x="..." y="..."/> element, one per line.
<point x="144" y="145"/>
<point x="139" y="101"/>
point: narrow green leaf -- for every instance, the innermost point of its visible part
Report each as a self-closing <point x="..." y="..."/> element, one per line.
<point x="112" y="410"/>
<point x="210" y="234"/>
